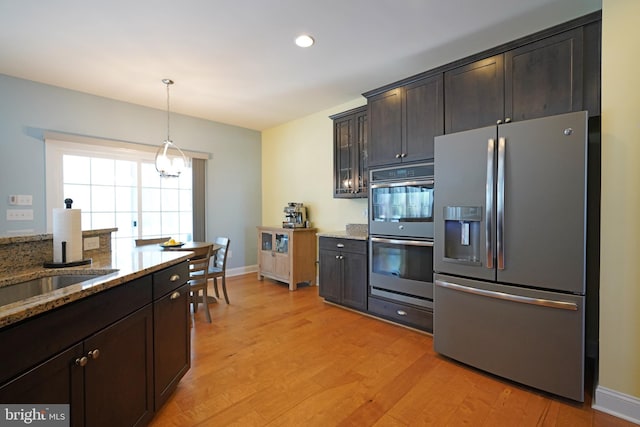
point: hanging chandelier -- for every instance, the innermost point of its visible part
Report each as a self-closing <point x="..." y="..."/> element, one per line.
<point x="170" y="160"/>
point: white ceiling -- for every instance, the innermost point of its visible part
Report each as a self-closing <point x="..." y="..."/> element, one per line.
<point x="234" y="61"/>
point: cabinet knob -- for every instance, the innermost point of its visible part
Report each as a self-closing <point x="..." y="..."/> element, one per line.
<point x="499" y="122"/>
<point x="401" y="227"/>
<point x="174" y="278"/>
<point x="94" y="354"/>
<point x="403" y="155"/>
<point x="175" y="295"/>
<point x="340" y="245"/>
<point x="507" y="120"/>
<point x="81" y="361"/>
<point x="401" y="312"/>
<point x="398" y="156"/>
<point x="337" y="256"/>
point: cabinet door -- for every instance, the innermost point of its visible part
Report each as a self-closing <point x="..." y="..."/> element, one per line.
<point x="424" y="111"/>
<point x="474" y="95"/>
<point x="55" y="381"/>
<point x="385" y="127"/>
<point x="344" y="150"/>
<point x="361" y="156"/>
<point x="330" y="275"/>
<point x="119" y="382"/>
<point x="171" y="342"/>
<point x="354" y="291"/>
<point x="544" y="78"/>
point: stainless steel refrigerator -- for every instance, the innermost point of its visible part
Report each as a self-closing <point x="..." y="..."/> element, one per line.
<point x="510" y="250"/>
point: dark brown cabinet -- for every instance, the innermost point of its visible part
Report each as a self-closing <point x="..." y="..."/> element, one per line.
<point x="64" y="382"/>
<point x="103" y="354"/>
<point x="118" y="377"/>
<point x="171" y="336"/>
<point x="538" y="79"/>
<point x="350" y="152"/>
<point x="343" y="271"/>
<point x="404" y="120"/>
<point x="106" y="379"/>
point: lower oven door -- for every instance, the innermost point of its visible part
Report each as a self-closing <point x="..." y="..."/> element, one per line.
<point x="402" y="270"/>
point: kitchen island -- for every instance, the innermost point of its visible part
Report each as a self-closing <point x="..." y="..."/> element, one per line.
<point x="113" y="347"/>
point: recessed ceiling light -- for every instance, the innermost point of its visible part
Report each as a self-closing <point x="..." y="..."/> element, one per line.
<point x="304" y="40"/>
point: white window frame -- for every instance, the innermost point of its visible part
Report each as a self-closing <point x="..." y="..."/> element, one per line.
<point x="58" y="145"/>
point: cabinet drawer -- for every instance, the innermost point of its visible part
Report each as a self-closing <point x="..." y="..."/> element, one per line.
<point x="165" y="281"/>
<point x="401" y="313"/>
<point x="343" y="245"/>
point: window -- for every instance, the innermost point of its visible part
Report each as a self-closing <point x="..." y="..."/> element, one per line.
<point x="119" y="188"/>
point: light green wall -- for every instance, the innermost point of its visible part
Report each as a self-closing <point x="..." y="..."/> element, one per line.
<point x="620" y="245"/>
<point x="297" y="159"/>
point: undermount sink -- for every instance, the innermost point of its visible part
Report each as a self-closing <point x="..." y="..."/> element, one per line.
<point x="31" y="288"/>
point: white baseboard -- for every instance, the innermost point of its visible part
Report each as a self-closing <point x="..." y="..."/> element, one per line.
<point x="239" y="271"/>
<point x="617" y="404"/>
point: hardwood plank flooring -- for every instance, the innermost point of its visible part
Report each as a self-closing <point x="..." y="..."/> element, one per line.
<point x="278" y="358"/>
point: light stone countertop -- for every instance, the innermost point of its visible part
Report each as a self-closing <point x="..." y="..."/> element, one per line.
<point x="351" y="231"/>
<point x="121" y="267"/>
<point x="342" y="234"/>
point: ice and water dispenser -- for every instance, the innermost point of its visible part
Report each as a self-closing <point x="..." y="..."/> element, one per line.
<point x="462" y="234"/>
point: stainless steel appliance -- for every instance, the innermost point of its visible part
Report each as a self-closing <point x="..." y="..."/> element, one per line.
<point x="401" y="234"/>
<point x="295" y="215"/>
<point x="401" y="201"/>
<point x="402" y="270"/>
<point x="509" y="254"/>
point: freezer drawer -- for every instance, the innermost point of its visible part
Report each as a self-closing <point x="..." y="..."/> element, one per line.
<point x="532" y="337"/>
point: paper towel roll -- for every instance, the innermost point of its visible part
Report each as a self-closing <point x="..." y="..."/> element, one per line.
<point x="67" y="227"/>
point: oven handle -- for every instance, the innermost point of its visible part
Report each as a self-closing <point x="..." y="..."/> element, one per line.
<point x="403" y="242"/>
<point x="402" y="184"/>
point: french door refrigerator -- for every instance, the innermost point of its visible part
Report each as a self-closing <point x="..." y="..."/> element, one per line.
<point x="510" y="250"/>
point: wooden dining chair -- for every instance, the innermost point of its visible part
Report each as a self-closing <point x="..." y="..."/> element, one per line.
<point x="218" y="268"/>
<point x="154" y="241"/>
<point x="198" y="278"/>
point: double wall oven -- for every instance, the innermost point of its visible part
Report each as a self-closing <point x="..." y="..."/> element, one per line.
<point x="401" y="234"/>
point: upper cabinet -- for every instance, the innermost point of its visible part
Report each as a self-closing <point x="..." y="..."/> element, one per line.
<point x="538" y="79"/>
<point x="403" y="121"/>
<point x="554" y="71"/>
<point x="350" y="151"/>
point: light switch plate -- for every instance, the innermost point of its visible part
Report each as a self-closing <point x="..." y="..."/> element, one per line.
<point x="19" y="214"/>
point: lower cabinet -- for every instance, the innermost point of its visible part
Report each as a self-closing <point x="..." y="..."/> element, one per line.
<point x="119" y="373"/>
<point x="171" y="342"/>
<point x="106" y="379"/>
<point x="114" y="357"/>
<point x="343" y="271"/>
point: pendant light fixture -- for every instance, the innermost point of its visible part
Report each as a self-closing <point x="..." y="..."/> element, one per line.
<point x="170" y="160"/>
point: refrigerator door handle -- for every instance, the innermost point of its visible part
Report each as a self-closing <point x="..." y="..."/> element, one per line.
<point x="563" y="305"/>
<point x="489" y="203"/>
<point x="500" y="204"/>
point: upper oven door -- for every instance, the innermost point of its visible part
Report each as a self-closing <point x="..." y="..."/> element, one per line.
<point x="402" y="208"/>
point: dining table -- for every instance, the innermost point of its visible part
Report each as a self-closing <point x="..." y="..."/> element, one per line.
<point x="188" y="246"/>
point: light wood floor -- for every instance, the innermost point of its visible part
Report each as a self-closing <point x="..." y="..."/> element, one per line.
<point x="280" y="358"/>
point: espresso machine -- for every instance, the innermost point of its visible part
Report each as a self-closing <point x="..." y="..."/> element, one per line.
<point x="295" y="216"/>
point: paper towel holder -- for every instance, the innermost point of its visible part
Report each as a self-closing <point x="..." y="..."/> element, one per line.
<point x="64" y="263"/>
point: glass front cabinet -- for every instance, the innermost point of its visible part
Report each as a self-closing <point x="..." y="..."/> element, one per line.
<point x="287" y="255"/>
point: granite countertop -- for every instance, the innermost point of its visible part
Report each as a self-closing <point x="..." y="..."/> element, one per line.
<point x="351" y="231"/>
<point x="121" y="267"/>
<point x="342" y="234"/>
